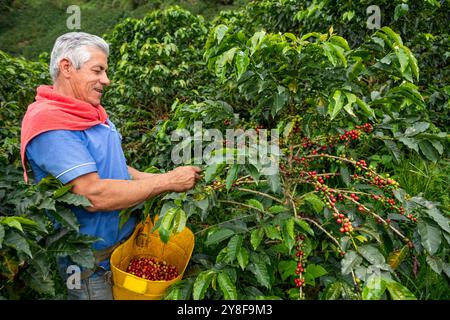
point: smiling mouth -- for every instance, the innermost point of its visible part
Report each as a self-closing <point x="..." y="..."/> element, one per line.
<point x="98" y="90"/>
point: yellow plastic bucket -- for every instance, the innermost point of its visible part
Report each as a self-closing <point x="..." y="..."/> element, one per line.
<point x="176" y="252"/>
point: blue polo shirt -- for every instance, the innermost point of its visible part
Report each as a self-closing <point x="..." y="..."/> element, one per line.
<point x="66" y="155"/>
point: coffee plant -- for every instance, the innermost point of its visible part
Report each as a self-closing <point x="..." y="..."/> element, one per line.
<point x="347" y="107"/>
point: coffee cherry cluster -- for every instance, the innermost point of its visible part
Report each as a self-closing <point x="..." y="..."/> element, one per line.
<point x="366" y="127"/>
<point x="220" y="184"/>
<point x="152" y="269"/>
<point x="299" y="257"/>
<point x="350" y="135"/>
<point x="344" y="222"/>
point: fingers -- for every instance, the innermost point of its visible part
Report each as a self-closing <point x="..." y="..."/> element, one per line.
<point x="196" y="169"/>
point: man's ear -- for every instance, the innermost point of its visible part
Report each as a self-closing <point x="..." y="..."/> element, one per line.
<point x="65" y="67"/>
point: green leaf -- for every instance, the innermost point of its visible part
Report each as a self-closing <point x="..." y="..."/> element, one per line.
<point x="288" y="233"/>
<point x="219" y="32"/>
<point x="242" y="62"/>
<point x="42" y="283"/>
<point x="234" y="246"/>
<point x="430" y="236"/>
<point x="232" y="176"/>
<point x="345" y="175"/>
<point x="398" y="257"/>
<point x="447" y="237"/>
<point x="277" y="209"/>
<point x="259" y="269"/>
<point x="255" y="203"/>
<point x="164" y="234"/>
<point x="398" y="291"/>
<point x="84" y="258"/>
<point x="446" y="268"/>
<point x="11" y="222"/>
<point x="304" y="225"/>
<point x="256" y="40"/>
<point x="242" y="257"/>
<point x="438" y="146"/>
<point x="279" y="101"/>
<point x="48" y="204"/>
<point x="287" y="269"/>
<point x="272" y="233"/>
<point x="62" y="191"/>
<point x="351" y="98"/>
<point x="340" y="42"/>
<point x="394" y="36"/>
<point x="441" y="220"/>
<point x="338" y="52"/>
<point x="365" y="107"/>
<point x="372" y="254"/>
<point x="201" y="284"/>
<point x="394" y="149"/>
<point x="350" y="261"/>
<point x="412" y="62"/>
<point x="16" y="241"/>
<point x="224" y="59"/>
<point x="374" y="289"/>
<point x="410" y="143"/>
<point x="355" y="70"/>
<point x="315" y="201"/>
<point x="435" y="263"/>
<point x="400" y="11"/>
<point x="213" y="170"/>
<point x="315" y="270"/>
<point x="428" y="150"/>
<point x="67" y="218"/>
<point x="336" y="104"/>
<point x="256" y="237"/>
<point x="218" y="235"/>
<point x="418" y="127"/>
<point x="253" y="171"/>
<point x="227" y="286"/>
<point x="180" y="221"/>
<point x="333" y="291"/>
<point x="402" y="58"/>
<point x="274" y="182"/>
<point x="75" y="200"/>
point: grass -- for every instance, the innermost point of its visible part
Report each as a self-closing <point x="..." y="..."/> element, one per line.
<point x="431" y="179"/>
<point x="31" y="27"/>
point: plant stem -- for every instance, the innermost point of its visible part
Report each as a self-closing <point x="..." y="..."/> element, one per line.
<point x="246" y="206"/>
<point x="323" y="230"/>
<point x="261" y="194"/>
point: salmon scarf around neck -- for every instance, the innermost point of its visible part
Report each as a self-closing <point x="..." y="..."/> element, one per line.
<point x="54" y="111"/>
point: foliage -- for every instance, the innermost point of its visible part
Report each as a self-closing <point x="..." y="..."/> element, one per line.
<point x="36" y="226"/>
<point x="28" y="28"/>
<point x="359" y="117"/>
<point x="152" y="61"/>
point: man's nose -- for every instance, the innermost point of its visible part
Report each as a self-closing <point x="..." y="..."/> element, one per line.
<point x="105" y="80"/>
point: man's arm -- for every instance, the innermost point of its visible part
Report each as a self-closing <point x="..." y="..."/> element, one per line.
<point x="110" y="194"/>
<point x="139" y="175"/>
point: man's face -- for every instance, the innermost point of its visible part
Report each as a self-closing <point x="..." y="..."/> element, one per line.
<point x="88" y="82"/>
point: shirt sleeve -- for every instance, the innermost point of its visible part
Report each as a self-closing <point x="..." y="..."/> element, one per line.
<point x="61" y="153"/>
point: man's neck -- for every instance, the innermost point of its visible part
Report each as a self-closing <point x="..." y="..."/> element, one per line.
<point x="63" y="89"/>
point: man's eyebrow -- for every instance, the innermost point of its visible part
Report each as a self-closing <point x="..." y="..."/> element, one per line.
<point x="100" y="66"/>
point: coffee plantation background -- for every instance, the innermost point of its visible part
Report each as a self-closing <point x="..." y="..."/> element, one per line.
<point x="360" y="206"/>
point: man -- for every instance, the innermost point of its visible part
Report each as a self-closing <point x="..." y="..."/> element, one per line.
<point x="67" y="133"/>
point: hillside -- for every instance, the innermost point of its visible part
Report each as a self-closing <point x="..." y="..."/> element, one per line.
<point x="28" y="28"/>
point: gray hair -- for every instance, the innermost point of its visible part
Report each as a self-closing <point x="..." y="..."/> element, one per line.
<point x="73" y="46"/>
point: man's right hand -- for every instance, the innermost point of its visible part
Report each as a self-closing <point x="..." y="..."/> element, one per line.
<point x="183" y="178"/>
